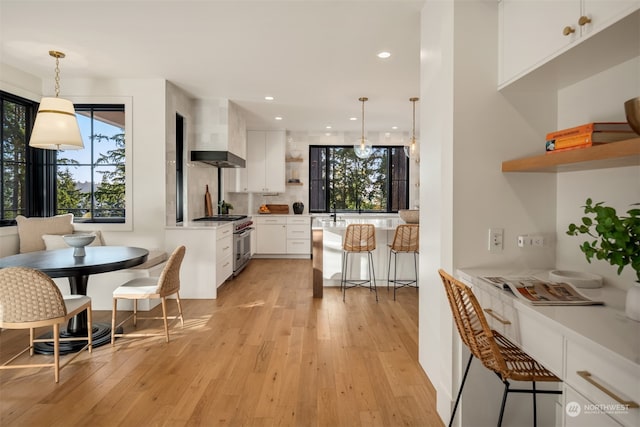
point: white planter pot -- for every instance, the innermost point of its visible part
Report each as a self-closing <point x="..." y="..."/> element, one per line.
<point x="632" y="306"/>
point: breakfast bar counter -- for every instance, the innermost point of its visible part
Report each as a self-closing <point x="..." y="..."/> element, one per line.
<point x="327" y="249"/>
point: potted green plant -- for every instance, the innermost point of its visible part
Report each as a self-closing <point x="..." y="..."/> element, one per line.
<point x="224" y="207"/>
<point x="616" y="239"/>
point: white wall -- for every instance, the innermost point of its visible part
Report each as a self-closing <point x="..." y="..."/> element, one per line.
<point x="605" y="94"/>
<point x="468" y="128"/>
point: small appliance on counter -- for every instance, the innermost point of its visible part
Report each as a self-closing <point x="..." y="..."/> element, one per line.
<point x="298" y="208"/>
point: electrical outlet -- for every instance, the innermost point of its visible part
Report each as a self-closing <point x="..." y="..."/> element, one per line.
<point x="537" y="241"/>
<point x="495" y="239"/>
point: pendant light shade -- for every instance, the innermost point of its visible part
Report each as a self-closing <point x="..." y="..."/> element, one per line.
<point x="56" y="126"/>
<point x="362" y="148"/>
<point x="411" y="150"/>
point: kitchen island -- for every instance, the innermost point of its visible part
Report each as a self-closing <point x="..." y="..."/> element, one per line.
<point x="327" y="250"/>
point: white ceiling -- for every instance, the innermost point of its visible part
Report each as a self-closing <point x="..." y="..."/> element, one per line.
<point x="315" y="57"/>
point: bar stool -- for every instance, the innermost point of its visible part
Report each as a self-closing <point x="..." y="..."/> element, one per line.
<point x="358" y="238"/>
<point x="405" y="241"/>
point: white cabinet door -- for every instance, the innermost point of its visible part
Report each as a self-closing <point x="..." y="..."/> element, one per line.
<point x="531" y="31"/>
<point x="275" y="168"/>
<point x="265" y="161"/>
<point x="235" y="180"/>
<point x="603" y="13"/>
<point x="271" y="236"/>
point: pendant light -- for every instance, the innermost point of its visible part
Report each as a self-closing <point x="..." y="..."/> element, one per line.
<point x="362" y="148"/>
<point x="411" y="150"/>
<point x="56" y="126"/>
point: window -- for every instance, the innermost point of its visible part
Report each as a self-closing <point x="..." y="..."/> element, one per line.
<point x="16" y="115"/>
<point x="90" y="183"/>
<point x="339" y="180"/>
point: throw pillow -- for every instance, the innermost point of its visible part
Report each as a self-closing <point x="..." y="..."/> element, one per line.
<point x="31" y="230"/>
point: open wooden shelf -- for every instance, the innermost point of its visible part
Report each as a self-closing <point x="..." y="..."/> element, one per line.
<point x="613" y="154"/>
<point x="294" y="183"/>
<point x="293" y="159"/>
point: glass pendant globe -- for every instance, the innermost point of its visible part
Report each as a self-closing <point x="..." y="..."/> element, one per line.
<point x="363" y="149"/>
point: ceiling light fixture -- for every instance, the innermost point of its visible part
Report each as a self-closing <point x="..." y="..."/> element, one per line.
<point x="278" y="118"/>
<point x="269" y="98"/>
<point x="411" y="150"/>
<point x="384" y="55"/>
<point x="363" y="149"/>
<point x="56" y="126"/>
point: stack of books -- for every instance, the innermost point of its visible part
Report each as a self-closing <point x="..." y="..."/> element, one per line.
<point x="587" y="135"/>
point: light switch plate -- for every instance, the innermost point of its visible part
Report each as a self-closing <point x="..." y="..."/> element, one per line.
<point x="495" y="239"/>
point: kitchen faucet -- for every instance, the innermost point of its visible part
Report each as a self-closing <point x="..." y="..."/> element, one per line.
<point x="334" y="215"/>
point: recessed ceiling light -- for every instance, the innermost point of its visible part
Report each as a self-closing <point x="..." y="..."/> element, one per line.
<point x="394" y="127"/>
<point x="384" y="55"/>
<point x="353" y="119"/>
<point x="278" y="118"/>
<point x="328" y="127"/>
<point x="269" y="98"/>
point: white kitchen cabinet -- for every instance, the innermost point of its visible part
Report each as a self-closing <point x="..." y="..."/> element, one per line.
<point x="533" y="32"/>
<point x="266" y="161"/>
<point x="208" y="260"/>
<point x="271" y="235"/>
<point x="299" y="235"/>
<point x="235" y="180"/>
<point x="224" y="253"/>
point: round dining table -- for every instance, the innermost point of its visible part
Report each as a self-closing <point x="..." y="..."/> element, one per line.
<point x="62" y="263"/>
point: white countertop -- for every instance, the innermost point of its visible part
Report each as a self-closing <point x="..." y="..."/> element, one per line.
<point x="198" y="225"/>
<point x="326" y="223"/>
<point x="605" y="325"/>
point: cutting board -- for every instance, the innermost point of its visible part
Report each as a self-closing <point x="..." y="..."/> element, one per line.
<point x="278" y="209"/>
<point x="207" y="203"/>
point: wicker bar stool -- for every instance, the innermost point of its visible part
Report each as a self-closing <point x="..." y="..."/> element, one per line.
<point x="358" y="239"/>
<point x="405" y="241"/>
<point x="30" y="299"/>
<point x="495" y="351"/>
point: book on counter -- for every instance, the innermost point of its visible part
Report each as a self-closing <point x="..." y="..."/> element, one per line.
<point x="590" y="128"/>
<point x="588" y="139"/>
<point x="541" y="292"/>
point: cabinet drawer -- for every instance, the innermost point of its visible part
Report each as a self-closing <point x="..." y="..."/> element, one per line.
<point x="301" y="246"/>
<point x="577" y="412"/>
<point x="224" y="269"/>
<point x="271" y="220"/>
<point x="226" y="231"/>
<point x="298" y="231"/>
<point x="541" y="341"/>
<point x="224" y="247"/>
<point x="606" y="380"/>
<point x="302" y="220"/>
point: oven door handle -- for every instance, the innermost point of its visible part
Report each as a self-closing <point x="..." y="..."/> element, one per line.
<point x="244" y="232"/>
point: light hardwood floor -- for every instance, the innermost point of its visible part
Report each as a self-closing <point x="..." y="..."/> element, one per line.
<point x="265" y="353"/>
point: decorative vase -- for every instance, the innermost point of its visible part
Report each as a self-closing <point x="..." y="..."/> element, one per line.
<point x="632" y="305"/>
<point x="298" y="208"/>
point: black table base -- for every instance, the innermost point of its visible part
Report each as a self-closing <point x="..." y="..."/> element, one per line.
<point x="101" y="336"/>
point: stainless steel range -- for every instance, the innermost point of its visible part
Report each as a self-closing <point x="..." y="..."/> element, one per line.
<point x="242" y="228"/>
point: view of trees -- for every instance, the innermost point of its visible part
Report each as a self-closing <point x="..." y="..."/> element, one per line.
<point x="13" y="183"/>
<point x="339" y="178"/>
<point x="105" y="198"/>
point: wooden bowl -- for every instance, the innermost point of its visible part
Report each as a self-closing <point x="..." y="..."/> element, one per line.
<point x="410" y="216"/>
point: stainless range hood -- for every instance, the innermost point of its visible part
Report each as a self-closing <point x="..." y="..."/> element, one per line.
<point x="220" y="159"/>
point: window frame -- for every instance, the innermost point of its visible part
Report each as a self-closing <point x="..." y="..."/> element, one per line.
<point x="327" y="183"/>
<point x="40" y="177"/>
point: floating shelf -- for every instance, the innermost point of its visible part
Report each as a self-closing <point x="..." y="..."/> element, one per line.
<point x="293" y="159"/>
<point x="294" y="183"/>
<point x="613" y="154"/>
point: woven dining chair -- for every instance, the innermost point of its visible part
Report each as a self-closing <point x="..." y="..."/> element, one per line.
<point x="495" y="351"/>
<point x="358" y="239"/>
<point x="149" y="288"/>
<point x="30" y="299"/>
<point x="405" y="241"/>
